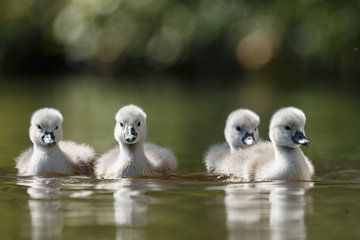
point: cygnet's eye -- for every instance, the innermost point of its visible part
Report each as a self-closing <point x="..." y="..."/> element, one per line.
<point x="121" y="124"/>
<point x="138" y="124"/>
<point x="38" y="126"/>
<point x="255" y="129"/>
<point x="238" y="128"/>
<point x="57" y="127"/>
<point x="287" y="128"/>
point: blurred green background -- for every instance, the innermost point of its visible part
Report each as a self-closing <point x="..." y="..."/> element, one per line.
<point x="188" y="64"/>
<point x="204" y="37"/>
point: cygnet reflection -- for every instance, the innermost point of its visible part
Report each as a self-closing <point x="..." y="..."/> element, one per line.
<point x="131" y="204"/>
<point x="47" y="206"/>
<point x="46" y="209"/>
<point x="266" y="210"/>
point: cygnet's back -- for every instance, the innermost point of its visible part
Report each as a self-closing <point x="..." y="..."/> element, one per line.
<point x="81" y="155"/>
<point x="241" y="131"/>
<point x="246" y="165"/>
<point x="161" y="159"/>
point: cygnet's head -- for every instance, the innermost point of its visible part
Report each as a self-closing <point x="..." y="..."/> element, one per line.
<point x="287" y="128"/>
<point x="130" y="127"/>
<point x="241" y="128"/>
<point x="45" y="127"/>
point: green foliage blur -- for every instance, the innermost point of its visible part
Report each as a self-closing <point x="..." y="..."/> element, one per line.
<point x="197" y="36"/>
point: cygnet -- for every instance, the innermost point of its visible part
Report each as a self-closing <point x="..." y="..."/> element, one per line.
<point x="241" y="131"/>
<point x="280" y="159"/>
<point x="133" y="157"/>
<point x="49" y="154"/>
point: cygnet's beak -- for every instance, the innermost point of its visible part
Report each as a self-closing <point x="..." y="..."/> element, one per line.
<point x="248" y="139"/>
<point x="299" y="138"/>
<point x="49" y="139"/>
<point x="130" y="135"/>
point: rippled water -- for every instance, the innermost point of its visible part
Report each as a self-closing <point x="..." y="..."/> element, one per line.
<point x="191" y="205"/>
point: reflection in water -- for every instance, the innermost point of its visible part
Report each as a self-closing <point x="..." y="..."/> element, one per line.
<point x="51" y="205"/>
<point x="46" y="205"/>
<point x="130" y="209"/>
<point x="266" y="210"/>
<point x="46" y="209"/>
<point x="131" y="205"/>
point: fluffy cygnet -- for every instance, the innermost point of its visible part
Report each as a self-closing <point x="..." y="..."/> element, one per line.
<point x="133" y="157"/>
<point x="240" y="132"/>
<point x="280" y="159"/>
<point x="50" y="155"/>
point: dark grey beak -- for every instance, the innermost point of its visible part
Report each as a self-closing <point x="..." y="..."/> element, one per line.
<point x="49" y="138"/>
<point x="248" y="139"/>
<point x="299" y="138"/>
<point x="130" y="135"/>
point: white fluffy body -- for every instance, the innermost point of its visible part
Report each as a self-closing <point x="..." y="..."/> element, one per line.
<point x="239" y="123"/>
<point x="53" y="156"/>
<point x="133" y="157"/>
<point x="280" y="159"/>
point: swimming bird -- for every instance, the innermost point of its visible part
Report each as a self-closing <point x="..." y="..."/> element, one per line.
<point x="49" y="154"/>
<point x="241" y="131"/>
<point x="133" y="157"/>
<point x="280" y="159"/>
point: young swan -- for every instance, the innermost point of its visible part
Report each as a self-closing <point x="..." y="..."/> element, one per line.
<point x="282" y="159"/>
<point x="50" y="155"/>
<point x="240" y="132"/>
<point x="133" y="157"/>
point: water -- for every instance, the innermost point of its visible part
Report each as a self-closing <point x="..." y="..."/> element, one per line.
<point x="191" y="205"/>
<point x="177" y="208"/>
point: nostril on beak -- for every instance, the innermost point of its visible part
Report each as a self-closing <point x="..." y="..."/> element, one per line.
<point x="130" y="135"/>
<point x="51" y="134"/>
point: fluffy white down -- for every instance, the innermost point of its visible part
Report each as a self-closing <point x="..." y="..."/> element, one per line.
<point x="161" y="162"/>
<point x="49" y="154"/>
<point x="77" y="159"/>
<point x="280" y="159"/>
<point x="215" y="155"/>
<point x="238" y="123"/>
<point x="81" y="155"/>
<point x="133" y="157"/>
<point x="161" y="159"/>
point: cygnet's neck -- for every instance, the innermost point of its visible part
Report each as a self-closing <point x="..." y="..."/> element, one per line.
<point x="132" y="153"/>
<point x="290" y="160"/>
<point x="47" y="151"/>
<point x="235" y="148"/>
<point x="49" y="160"/>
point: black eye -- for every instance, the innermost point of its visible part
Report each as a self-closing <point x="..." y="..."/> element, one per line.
<point x="121" y="124"/>
<point x="56" y="127"/>
<point x="287" y="128"/>
<point x="238" y="128"/>
<point x="138" y="124"/>
<point x="38" y="126"/>
<point x="255" y="129"/>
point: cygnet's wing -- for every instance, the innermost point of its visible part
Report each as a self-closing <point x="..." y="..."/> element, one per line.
<point x="161" y="159"/>
<point x="215" y="155"/>
<point x="105" y="162"/>
<point x="22" y="161"/>
<point x="250" y="163"/>
<point x="82" y="156"/>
